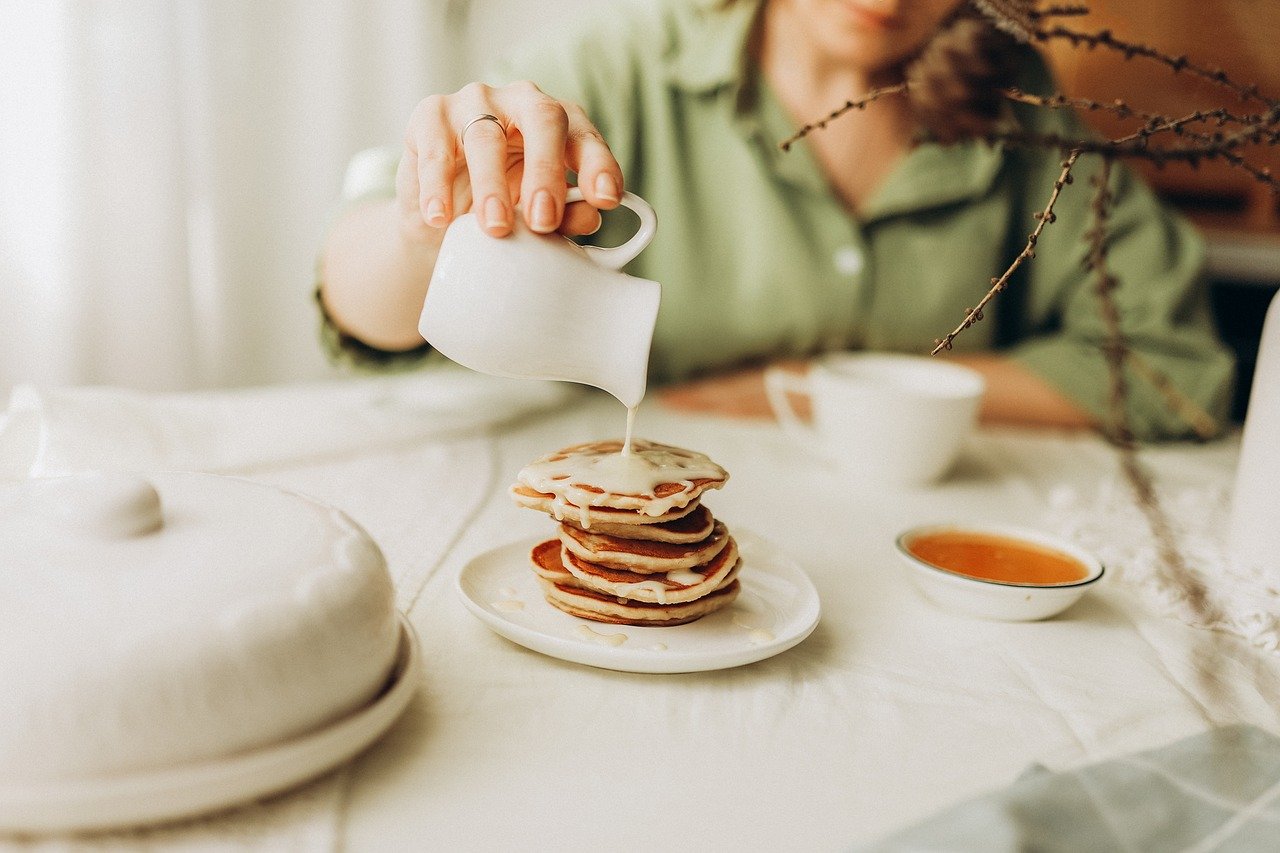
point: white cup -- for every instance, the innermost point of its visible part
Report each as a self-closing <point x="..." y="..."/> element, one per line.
<point x="890" y="419"/>
<point x="540" y="306"/>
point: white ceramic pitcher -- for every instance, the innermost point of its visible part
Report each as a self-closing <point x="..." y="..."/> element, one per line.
<point x="540" y="306"/>
<point x="1255" y="507"/>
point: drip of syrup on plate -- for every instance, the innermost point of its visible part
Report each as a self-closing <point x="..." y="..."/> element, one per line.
<point x="584" y="632"/>
<point x="757" y="635"/>
<point x="507" y="605"/>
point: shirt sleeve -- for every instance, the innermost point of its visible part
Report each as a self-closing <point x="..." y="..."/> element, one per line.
<point x="1162" y="300"/>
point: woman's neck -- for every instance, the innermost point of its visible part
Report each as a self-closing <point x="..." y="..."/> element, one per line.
<point x="793" y="64"/>
<point x="857" y="152"/>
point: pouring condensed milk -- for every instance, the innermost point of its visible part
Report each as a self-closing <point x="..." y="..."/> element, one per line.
<point x="539" y="306"/>
<point x="635" y="544"/>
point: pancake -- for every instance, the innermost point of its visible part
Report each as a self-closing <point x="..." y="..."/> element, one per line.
<point x="549" y="565"/>
<point x="653" y="479"/>
<point x="672" y="587"/>
<point x="642" y="556"/>
<point x="694" y="526"/>
<point x="589" y="604"/>
<point x="614" y="518"/>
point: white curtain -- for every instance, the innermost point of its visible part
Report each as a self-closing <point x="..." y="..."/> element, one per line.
<point x="167" y="169"/>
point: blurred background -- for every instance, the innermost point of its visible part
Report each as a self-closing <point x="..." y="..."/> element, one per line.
<point x="168" y="167"/>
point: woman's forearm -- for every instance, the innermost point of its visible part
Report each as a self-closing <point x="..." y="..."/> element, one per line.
<point x="375" y="278"/>
<point x="1015" y="395"/>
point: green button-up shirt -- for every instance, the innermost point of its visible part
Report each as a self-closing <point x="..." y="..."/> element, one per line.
<point x="758" y="257"/>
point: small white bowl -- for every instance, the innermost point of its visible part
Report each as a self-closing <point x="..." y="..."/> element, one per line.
<point x="999" y="600"/>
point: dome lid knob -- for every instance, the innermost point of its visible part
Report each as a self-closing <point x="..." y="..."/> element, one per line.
<point x="114" y="506"/>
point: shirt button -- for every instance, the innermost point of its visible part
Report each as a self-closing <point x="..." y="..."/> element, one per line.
<point x="848" y="260"/>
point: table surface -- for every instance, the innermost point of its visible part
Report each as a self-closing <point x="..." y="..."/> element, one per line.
<point x="890" y="711"/>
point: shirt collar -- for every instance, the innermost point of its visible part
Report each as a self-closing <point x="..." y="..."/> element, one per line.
<point x="933" y="175"/>
<point x="708" y="52"/>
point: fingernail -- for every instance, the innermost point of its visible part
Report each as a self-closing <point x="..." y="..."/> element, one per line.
<point x="435" y="213"/>
<point x="544" y="211"/>
<point x="495" y="213"/>
<point x="606" y="187"/>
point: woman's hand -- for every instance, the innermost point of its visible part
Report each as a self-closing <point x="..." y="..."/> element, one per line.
<point x="1014" y="395"/>
<point x="495" y="168"/>
<point x="739" y="394"/>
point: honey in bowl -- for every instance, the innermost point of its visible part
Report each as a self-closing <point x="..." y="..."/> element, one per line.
<point x="992" y="557"/>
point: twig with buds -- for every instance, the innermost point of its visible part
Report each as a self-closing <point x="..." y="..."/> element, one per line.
<point x="1154" y="123"/>
<point x="1043" y="218"/>
<point x="1105" y="39"/>
<point x="1058" y="12"/>
<point x="1136" y="146"/>
<point x="855" y="104"/>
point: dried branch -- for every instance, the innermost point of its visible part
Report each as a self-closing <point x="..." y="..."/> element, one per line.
<point x="1058" y="12"/>
<point x="1104" y="38"/>
<point x="1255" y="133"/>
<point x="1043" y="217"/>
<point x="855" y="104"/>
<point x="1136" y="146"/>
<point x="1116" y="351"/>
<point x="1201" y="422"/>
<point x="1154" y="122"/>
<point x="1115" y="348"/>
<point x="1175" y="567"/>
<point x="1012" y="16"/>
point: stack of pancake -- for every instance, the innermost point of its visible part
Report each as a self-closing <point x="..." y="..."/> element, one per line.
<point x="635" y="546"/>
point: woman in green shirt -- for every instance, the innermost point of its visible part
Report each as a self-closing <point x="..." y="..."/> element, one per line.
<point x="860" y="237"/>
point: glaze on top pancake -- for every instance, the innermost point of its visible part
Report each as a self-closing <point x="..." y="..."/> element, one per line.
<point x="653" y="479"/>
<point x="531" y="499"/>
<point x="643" y="556"/>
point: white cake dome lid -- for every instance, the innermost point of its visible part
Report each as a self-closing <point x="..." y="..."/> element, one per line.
<point x="148" y="622"/>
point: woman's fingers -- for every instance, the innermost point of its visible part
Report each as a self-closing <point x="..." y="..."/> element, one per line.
<point x="518" y="151"/>
<point x="580" y="218"/>
<point x="484" y="143"/>
<point x="544" y="128"/>
<point x="410" y="214"/>
<point x="433" y="142"/>
<point x="586" y="152"/>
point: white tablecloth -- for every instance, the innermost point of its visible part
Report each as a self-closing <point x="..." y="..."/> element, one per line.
<point x="890" y="711"/>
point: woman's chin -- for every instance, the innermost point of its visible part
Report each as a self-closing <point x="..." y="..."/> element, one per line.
<point x="866" y="52"/>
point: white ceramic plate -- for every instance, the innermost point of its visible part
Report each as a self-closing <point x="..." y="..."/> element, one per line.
<point x="777" y="608"/>
<point x="187" y="791"/>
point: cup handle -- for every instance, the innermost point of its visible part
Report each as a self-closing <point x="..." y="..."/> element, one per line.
<point x="617" y="257"/>
<point x="778" y="384"/>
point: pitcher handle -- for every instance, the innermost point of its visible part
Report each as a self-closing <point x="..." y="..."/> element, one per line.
<point x="619" y="256"/>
